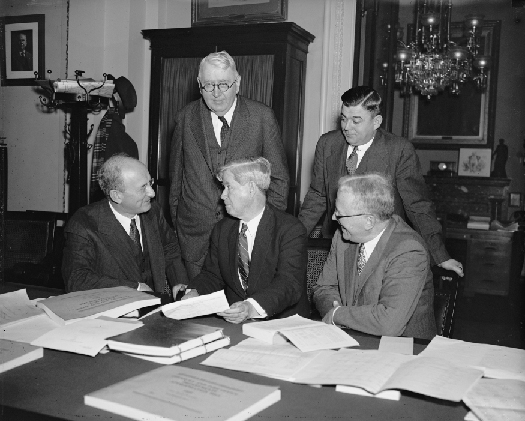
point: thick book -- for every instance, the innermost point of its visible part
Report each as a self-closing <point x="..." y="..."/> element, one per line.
<point x="184" y="394"/>
<point x="14" y="354"/>
<point x="111" y="302"/>
<point x="164" y="337"/>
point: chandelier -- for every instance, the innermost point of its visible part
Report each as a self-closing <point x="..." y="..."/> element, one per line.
<point x="431" y="61"/>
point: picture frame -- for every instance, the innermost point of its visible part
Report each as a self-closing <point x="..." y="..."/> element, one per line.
<point x="447" y="121"/>
<point x="474" y="162"/>
<point x="234" y="12"/>
<point x="22" y="49"/>
<point x="515" y="199"/>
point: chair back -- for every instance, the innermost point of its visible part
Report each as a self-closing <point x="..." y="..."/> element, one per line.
<point x="446" y="285"/>
<point x="318" y="249"/>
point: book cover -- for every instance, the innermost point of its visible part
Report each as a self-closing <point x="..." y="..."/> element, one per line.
<point x="14" y="354"/>
<point x="184" y="394"/>
<point x="110" y="302"/>
<point x="164" y="337"/>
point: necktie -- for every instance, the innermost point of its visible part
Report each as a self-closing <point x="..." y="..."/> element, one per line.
<point x="361" y="259"/>
<point x="351" y="162"/>
<point x="224" y="129"/>
<point x="243" y="257"/>
<point x="134" y="233"/>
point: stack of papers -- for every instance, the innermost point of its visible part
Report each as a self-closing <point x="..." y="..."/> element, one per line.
<point x="478" y="222"/>
<point x="197" y="306"/>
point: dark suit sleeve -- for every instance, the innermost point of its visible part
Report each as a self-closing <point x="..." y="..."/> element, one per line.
<point x="314" y="204"/>
<point x="80" y="261"/>
<point x="417" y="203"/>
<point x="288" y="283"/>
<point x="175" y="166"/>
<point x="273" y="151"/>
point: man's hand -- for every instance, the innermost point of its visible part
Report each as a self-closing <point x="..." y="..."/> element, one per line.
<point x="238" y="312"/>
<point x="190" y="294"/>
<point x="329" y="317"/>
<point x="177" y="288"/>
<point x="452" y="264"/>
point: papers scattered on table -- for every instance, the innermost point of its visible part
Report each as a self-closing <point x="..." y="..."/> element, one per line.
<point x="15" y="307"/>
<point x="391" y="395"/>
<point x="198" y="306"/>
<point x="397" y="345"/>
<point x="110" y="302"/>
<point x="305" y="334"/>
<point x="14" y="354"/>
<point x="179" y="393"/>
<point x="30" y="329"/>
<point x="87" y="336"/>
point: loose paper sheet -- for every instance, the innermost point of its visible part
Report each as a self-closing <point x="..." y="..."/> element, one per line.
<point x="15" y="306"/>
<point x="28" y="330"/>
<point x="266" y="331"/>
<point x="198" y="306"/>
<point x="397" y="344"/>
<point x="319" y="337"/>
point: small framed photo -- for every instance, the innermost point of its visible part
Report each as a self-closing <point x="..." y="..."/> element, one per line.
<point x="515" y="199"/>
<point x="22" y="49"/>
<point x="474" y="162"/>
<point x="229" y="12"/>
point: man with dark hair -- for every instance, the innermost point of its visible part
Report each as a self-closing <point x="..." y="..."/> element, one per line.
<point x="22" y="59"/>
<point x="360" y="147"/>
<point x="123" y="240"/>
<point x="210" y="132"/>
<point x="377" y="277"/>
<point x="258" y="255"/>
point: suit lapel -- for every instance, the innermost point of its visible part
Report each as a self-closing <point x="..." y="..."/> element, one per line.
<point x="198" y="122"/>
<point x="240" y="121"/>
<point x="376" y="157"/>
<point x="156" y="256"/>
<point x="261" y="246"/>
<point x="233" y="239"/>
<point x="336" y="161"/>
<point x="117" y="241"/>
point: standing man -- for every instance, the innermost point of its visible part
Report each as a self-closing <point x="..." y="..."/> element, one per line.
<point x="377" y="277"/>
<point x="21" y="59"/>
<point x="209" y="133"/>
<point x="360" y="147"/>
<point x="258" y="255"/>
<point x="123" y="240"/>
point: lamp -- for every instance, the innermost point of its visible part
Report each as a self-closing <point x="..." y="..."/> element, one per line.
<point x="432" y="62"/>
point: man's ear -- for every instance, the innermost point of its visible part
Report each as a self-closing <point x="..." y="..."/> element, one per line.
<point x="115" y="196"/>
<point x="370" y="222"/>
<point x="378" y="119"/>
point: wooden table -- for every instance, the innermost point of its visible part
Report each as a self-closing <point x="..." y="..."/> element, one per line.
<point x="53" y="388"/>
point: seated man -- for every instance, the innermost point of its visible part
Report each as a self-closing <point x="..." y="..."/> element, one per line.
<point x="258" y="255"/>
<point x="377" y="277"/>
<point x="123" y="240"/>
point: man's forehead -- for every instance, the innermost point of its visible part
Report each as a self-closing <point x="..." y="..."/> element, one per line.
<point x="354" y="110"/>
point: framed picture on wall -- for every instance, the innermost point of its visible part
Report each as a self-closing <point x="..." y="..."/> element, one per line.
<point x="515" y="199"/>
<point x="229" y="12"/>
<point x="22" y="49"/>
<point x="474" y="162"/>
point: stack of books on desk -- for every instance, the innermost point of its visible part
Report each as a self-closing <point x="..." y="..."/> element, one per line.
<point x="168" y="341"/>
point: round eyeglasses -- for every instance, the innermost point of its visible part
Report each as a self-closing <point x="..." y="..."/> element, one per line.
<point x="339" y="217"/>
<point x="223" y="86"/>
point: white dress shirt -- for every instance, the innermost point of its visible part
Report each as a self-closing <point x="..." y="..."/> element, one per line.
<point x="360" y="152"/>
<point x="217" y="124"/>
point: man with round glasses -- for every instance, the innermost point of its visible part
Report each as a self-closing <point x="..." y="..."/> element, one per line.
<point x="209" y="133"/>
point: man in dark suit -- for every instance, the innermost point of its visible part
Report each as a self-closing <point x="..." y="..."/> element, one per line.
<point x="361" y="146"/>
<point x="123" y="240"/>
<point x="209" y="133"/>
<point x="377" y="277"/>
<point x="258" y="255"/>
<point x="21" y="58"/>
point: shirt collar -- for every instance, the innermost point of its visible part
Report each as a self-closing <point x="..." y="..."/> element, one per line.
<point x="253" y="224"/>
<point x="371" y="244"/>
<point x="124" y="220"/>
<point x="228" y="116"/>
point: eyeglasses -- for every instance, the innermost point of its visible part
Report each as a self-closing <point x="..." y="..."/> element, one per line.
<point x="223" y="86"/>
<point x="339" y="217"/>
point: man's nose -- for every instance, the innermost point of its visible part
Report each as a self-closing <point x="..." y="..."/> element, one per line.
<point x="150" y="192"/>
<point x="216" y="91"/>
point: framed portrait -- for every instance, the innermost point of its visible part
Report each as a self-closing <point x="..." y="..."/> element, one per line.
<point x="515" y="199"/>
<point x="22" y="49"/>
<point x="448" y="121"/>
<point x="474" y="162"/>
<point x="229" y="12"/>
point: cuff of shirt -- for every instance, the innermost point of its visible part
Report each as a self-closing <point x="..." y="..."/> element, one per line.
<point x="261" y="313"/>
<point x="333" y="315"/>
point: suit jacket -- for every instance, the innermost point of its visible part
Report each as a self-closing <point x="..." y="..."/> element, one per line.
<point x="277" y="278"/>
<point x="195" y="201"/>
<point x="98" y="253"/>
<point x="393" y="296"/>
<point x="22" y="63"/>
<point x="390" y="155"/>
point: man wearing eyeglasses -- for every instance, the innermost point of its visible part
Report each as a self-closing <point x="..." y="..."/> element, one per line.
<point x="124" y="239"/>
<point x="377" y="277"/>
<point x="218" y="128"/>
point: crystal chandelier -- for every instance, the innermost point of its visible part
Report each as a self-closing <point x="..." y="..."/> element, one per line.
<point x="431" y="61"/>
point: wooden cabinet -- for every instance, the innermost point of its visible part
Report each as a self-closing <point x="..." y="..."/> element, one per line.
<point x="493" y="260"/>
<point x="281" y="47"/>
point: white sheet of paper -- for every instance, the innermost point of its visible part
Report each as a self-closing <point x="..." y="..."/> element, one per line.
<point x="29" y="330"/>
<point x="397" y="344"/>
<point x="391" y="395"/>
<point x="198" y="306"/>
<point x="266" y="331"/>
<point x="86" y="336"/>
<point x="15" y="306"/>
<point x="315" y="338"/>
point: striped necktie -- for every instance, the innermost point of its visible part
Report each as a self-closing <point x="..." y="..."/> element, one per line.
<point x="134" y="233"/>
<point x="351" y="162"/>
<point x="243" y="257"/>
<point x="224" y="129"/>
<point x="361" y="259"/>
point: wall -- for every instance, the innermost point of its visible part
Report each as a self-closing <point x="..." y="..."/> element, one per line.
<point x="510" y="107"/>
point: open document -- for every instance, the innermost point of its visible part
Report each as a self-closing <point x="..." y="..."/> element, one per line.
<point x="15" y="307"/>
<point x="198" y="306"/>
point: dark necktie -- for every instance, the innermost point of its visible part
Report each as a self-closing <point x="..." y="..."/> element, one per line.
<point x="243" y="257"/>
<point x="351" y="162"/>
<point x="224" y="129"/>
<point x="361" y="259"/>
<point x="134" y="233"/>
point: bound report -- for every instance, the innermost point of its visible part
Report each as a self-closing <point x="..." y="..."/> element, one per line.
<point x="110" y="302"/>
<point x="164" y="337"/>
<point x="184" y="394"/>
<point x="14" y="354"/>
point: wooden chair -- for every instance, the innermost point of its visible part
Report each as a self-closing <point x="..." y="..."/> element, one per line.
<point x="446" y="285"/>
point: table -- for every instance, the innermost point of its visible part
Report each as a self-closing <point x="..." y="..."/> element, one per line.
<point x="53" y="388"/>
